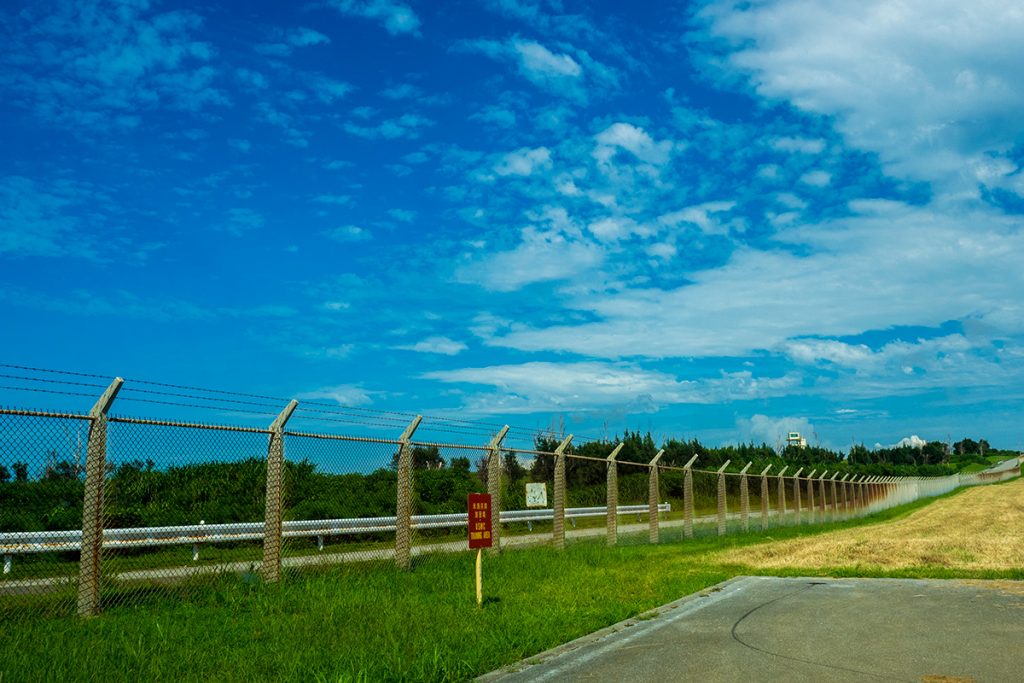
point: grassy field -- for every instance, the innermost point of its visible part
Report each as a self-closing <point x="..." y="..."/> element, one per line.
<point x="355" y="623"/>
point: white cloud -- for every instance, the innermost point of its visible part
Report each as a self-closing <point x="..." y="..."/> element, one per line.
<point x="559" y="73"/>
<point x="912" y="441"/>
<point x="801" y="145"/>
<point x="350" y="395"/>
<point x="545" y="386"/>
<point x="304" y="37"/>
<point x="439" y="345"/>
<point x="396" y="17"/>
<point x="816" y="178"/>
<point x="543" y="64"/>
<point x="403" y="215"/>
<point x="404" y="126"/>
<point x="859" y="273"/>
<point x="632" y="139"/>
<point x="541" y="256"/>
<point x="701" y="215"/>
<point x="931" y="86"/>
<point x="523" y="162"/>
<point x="348" y="233"/>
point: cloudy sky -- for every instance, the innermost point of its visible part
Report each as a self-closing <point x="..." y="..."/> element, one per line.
<point x="715" y="219"/>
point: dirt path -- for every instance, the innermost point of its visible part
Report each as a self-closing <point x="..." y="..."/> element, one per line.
<point x="981" y="528"/>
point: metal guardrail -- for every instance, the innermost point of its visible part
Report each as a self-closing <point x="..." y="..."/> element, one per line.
<point x="28" y="542"/>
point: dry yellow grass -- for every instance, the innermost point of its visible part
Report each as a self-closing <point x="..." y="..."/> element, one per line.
<point x="979" y="529"/>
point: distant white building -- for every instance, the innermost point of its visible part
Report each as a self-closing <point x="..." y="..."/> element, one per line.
<point x="794" y="439"/>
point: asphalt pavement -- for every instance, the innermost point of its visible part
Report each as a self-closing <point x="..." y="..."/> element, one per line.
<point x="805" y="629"/>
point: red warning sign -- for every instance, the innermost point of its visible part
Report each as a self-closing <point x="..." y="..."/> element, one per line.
<point x="479" y="520"/>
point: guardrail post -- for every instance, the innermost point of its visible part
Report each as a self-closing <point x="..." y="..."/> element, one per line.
<point x="796" y="496"/>
<point x="89" y="563"/>
<point x="558" y="530"/>
<point x="612" y="498"/>
<point x="721" y="498"/>
<point x="271" y="567"/>
<point x="782" y="493"/>
<point x="494" y="488"/>
<point x="403" y="506"/>
<point x="652" y="498"/>
<point x="764" y="498"/>
<point x="745" y="498"/>
<point x="688" y="497"/>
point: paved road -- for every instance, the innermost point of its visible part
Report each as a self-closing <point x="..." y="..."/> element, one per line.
<point x="795" y="630"/>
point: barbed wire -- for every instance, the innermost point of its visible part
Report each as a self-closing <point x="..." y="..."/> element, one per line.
<point x="376" y="417"/>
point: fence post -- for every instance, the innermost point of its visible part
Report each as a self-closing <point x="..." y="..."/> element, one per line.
<point x="403" y="506"/>
<point x="612" y="498"/>
<point x="271" y="566"/>
<point x="846" y="495"/>
<point x="745" y="498"/>
<point x="810" y="495"/>
<point x="494" y="488"/>
<point x="721" y="498"/>
<point x="558" y="530"/>
<point x="782" y="494"/>
<point x="90" y="558"/>
<point x="688" y="498"/>
<point x="652" y="498"/>
<point x="821" y="494"/>
<point x="796" y="496"/>
<point x="835" y="498"/>
<point x="764" y="497"/>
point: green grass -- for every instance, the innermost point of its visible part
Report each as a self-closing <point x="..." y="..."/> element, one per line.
<point x="365" y="622"/>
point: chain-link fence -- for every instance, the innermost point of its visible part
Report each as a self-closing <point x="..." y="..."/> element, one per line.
<point x="99" y="509"/>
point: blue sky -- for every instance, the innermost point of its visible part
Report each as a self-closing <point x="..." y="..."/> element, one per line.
<point x="720" y="219"/>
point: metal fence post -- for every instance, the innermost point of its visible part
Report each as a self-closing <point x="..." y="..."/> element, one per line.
<point x="558" y="530"/>
<point x="745" y="498"/>
<point x="764" y="498"/>
<point x="652" y="498"/>
<point x="612" y="498"/>
<point x="688" y="498"/>
<point x="271" y="567"/>
<point x="721" y="498"/>
<point x="782" y="493"/>
<point x="403" y="505"/>
<point x="796" y="496"/>
<point x="494" y="488"/>
<point x="89" y="563"/>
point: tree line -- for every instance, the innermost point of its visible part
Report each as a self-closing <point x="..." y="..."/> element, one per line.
<point x="140" y="494"/>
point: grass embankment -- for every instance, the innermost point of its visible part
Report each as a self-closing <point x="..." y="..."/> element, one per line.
<point x="976" y="530"/>
<point x="365" y="623"/>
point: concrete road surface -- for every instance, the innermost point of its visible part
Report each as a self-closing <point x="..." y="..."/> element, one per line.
<point x="772" y="629"/>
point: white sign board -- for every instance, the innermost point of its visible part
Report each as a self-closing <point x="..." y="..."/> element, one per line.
<point x="537" y="495"/>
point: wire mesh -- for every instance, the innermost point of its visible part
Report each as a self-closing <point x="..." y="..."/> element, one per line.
<point x="42" y="481"/>
<point x="443" y="477"/>
<point x="339" y="501"/>
<point x="183" y="506"/>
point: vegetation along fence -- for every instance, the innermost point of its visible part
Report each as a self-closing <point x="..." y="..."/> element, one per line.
<point x="98" y="509"/>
